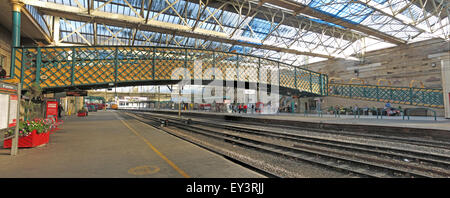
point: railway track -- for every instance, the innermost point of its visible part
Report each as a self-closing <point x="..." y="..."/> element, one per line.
<point x="430" y="143"/>
<point x="383" y="137"/>
<point x="360" y="159"/>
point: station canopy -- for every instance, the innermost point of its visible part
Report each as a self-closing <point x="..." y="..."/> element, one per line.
<point x="296" y="32"/>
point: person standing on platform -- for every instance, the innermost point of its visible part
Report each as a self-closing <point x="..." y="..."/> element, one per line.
<point x="387" y="105"/>
<point x="387" y="108"/>
<point x="355" y="110"/>
<point x="60" y="109"/>
<point x="2" y="72"/>
<point x="245" y="108"/>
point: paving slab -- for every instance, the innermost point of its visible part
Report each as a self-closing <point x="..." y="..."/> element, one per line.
<point x="108" y="145"/>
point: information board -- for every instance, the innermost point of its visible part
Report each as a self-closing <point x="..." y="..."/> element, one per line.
<point x="13" y="99"/>
<point x="4" y="103"/>
<point x="52" y="109"/>
<point x="8" y="104"/>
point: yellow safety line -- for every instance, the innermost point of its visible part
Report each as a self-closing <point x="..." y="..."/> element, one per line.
<point x="157" y="152"/>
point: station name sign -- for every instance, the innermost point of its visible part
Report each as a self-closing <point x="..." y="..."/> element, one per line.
<point x="6" y="87"/>
<point x="76" y="93"/>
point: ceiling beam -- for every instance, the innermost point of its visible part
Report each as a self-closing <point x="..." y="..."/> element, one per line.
<point x="292" y="21"/>
<point x="296" y="7"/>
<point x="35" y="24"/>
<point x="78" y="14"/>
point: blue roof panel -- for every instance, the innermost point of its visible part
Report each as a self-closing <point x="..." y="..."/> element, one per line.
<point x="261" y="28"/>
<point x="346" y="10"/>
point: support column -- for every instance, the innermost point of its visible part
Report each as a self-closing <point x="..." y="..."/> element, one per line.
<point x="56" y="29"/>
<point x="15" y="37"/>
<point x="16" y="9"/>
<point x="445" y="70"/>
<point x="159" y="98"/>
<point x="95" y="33"/>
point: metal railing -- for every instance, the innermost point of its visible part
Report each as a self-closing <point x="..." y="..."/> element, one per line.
<point x="55" y="67"/>
<point x="405" y="113"/>
<point x="400" y="95"/>
<point x="378" y="112"/>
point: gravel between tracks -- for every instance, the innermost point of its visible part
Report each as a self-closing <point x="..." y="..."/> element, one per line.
<point x="290" y="143"/>
<point x="352" y="139"/>
<point x="333" y="136"/>
<point x="271" y="163"/>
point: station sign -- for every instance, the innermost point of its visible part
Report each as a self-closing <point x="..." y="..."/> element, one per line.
<point x="76" y="93"/>
<point x="135" y="99"/>
<point x="249" y="91"/>
<point x="52" y="109"/>
<point x="8" y="88"/>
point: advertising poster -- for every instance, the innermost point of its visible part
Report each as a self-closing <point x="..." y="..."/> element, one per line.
<point x="52" y="109"/>
<point x="4" y="98"/>
<point x="13" y="110"/>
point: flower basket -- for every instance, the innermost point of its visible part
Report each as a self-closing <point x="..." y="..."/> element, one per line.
<point x="31" y="133"/>
<point x="32" y="140"/>
<point x="82" y="114"/>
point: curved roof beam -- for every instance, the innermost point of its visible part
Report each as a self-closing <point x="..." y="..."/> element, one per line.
<point x="396" y="14"/>
<point x="297" y="8"/>
<point x="119" y="20"/>
<point x="289" y="19"/>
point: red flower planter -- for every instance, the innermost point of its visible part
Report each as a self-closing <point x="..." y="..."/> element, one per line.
<point x="82" y="114"/>
<point x="31" y="140"/>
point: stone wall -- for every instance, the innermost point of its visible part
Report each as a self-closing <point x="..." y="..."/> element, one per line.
<point x="399" y="64"/>
<point x="5" y="48"/>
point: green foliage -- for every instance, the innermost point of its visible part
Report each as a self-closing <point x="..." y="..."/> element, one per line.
<point x="32" y="110"/>
<point x="26" y="127"/>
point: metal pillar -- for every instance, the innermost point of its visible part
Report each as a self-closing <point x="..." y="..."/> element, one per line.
<point x="159" y="97"/>
<point x="15" y="37"/>
<point x="179" y="102"/>
<point x="56" y="25"/>
<point x="16" y="9"/>
<point x="292" y="106"/>
<point x="15" y="140"/>
<point x="106" y="97"/>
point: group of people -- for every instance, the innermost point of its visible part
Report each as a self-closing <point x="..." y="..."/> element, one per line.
<point x="242" y="108"/>
<point x="388" y="110"/>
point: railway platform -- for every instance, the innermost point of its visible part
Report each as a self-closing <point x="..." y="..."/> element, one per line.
<point x="109" y="144"/>
<point x="416" y="127"/>
<point x="413" y="122"/>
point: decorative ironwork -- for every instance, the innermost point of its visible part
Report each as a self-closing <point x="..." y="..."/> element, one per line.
<point x="55" y="67"/>
<point x="86" y="66"/>
<point x="398" y="95"/>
